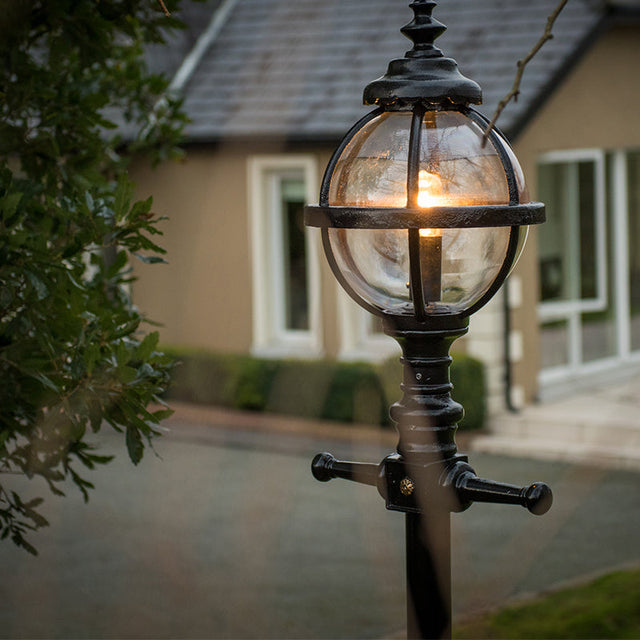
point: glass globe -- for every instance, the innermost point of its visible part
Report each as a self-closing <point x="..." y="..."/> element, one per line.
<point x="456" y="169"/>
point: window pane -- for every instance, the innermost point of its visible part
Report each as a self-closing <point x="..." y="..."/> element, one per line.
<point x="587" y="213"/>
<point x="554" y="344"/>
<point x="554" y="275"/>
<point x="634" y="246"/>
<point x="598" y="335"/>
<point x="568" y="240"/>
<point x="599" y="328"/>
<point x="294" y="254"/>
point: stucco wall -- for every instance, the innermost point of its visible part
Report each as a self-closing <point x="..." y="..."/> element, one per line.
<point x="203" y="296"/>
<point x="205" y="288"/>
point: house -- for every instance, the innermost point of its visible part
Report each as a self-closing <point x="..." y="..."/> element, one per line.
<point x="271" y="86"/>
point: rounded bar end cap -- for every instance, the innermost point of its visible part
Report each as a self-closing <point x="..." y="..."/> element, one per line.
<point x="538" y="498"/>
<point x="322" y="467"/>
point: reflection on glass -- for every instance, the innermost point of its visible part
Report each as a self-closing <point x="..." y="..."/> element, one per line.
<point x="588" y="240"/>
<point x="598" y="335"/>
<point x="568" y="240"/>
<point x="455" y="169"/>
<point x="552" y="180"/>
<point x="294" y="254"/>
<point x="554" y="344"/>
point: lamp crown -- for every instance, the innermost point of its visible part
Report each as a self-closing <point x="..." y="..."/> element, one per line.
<point x="423" y="30"/>
<point x="424" y="74"/>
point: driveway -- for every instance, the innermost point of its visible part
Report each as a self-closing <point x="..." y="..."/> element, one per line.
<point x="226" y="535"/>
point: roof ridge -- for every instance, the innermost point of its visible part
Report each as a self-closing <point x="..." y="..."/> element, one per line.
<point x="202" y="44"/>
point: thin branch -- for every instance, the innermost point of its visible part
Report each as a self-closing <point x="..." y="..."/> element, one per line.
<point x="164" y="8"/>
<point x="521" y="64"/>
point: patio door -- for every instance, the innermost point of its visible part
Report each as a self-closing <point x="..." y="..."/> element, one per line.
<point x="589" y="261"/>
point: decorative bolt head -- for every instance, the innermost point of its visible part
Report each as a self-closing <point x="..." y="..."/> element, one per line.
<point x="407" y="486"/>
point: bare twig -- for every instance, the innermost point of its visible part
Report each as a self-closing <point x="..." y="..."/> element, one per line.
<point x="164" y="8"/>
<point x="521" y="64"/>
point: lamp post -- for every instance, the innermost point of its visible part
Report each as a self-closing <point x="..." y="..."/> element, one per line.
<point x="423" y="215"/>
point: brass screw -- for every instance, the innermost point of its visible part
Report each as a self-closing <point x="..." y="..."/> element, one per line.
<point x="407" y="486"/>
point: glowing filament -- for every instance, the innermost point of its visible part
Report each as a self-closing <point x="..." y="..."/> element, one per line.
<point x="429" y="195"/>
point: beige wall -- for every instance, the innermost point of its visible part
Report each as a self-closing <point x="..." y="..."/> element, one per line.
<point x="596" y="106"/>
<point x="203" y="297"/>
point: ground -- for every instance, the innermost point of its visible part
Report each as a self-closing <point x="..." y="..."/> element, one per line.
<point x="226" y="535"/>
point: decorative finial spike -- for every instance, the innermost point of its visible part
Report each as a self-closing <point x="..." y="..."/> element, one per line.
<point x="423" y="30"/>
<point x="424" y="74"/>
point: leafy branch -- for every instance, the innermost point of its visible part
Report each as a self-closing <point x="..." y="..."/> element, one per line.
<point x="73" y="356"/>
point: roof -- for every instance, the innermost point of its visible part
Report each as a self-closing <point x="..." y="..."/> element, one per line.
<point x="297" y="69"/>
<point x="167" y="57"/>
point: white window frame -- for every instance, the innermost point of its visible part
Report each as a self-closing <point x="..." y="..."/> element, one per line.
<point x="357" y="340"/>
<point x="574" y="374"/>
<point x="271" y="337"/>
<point x="571" y="310"/>
<point x="568" y="309"/>
<point x="621" y="232"/>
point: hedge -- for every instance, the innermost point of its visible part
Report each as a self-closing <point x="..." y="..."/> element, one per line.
<point x="325" y="389"/>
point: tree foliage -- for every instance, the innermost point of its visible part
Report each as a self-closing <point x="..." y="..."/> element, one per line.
<point x="73" y="356"/>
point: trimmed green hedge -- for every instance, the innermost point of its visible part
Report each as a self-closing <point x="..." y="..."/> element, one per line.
<point x="325" y="389"/>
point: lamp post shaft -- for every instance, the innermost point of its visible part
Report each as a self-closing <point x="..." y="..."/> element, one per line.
<point x="426" y="418"/>
<point x="428" y="551"/>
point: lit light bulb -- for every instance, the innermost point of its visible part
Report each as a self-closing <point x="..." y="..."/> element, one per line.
<point x="429" y="189"/>
<point x="429" y="195"/>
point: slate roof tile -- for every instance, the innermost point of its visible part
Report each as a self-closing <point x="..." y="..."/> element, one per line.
<point x="295" y="68"/>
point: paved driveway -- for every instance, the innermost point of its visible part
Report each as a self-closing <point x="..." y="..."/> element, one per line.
<point x="226" y="535"/>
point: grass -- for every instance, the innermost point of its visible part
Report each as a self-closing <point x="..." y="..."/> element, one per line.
<point x="608" y="607"/>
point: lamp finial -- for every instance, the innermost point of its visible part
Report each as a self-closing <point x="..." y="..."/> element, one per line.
<point x="423" y="30"/>
<point x="424" y="74"/>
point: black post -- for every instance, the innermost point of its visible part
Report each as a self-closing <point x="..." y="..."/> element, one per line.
<point x="428" y="576"/>
<point x="426" y="418"/>
<point x="427" y="479"/>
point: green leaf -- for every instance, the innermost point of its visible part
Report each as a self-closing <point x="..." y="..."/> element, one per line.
<point x="47" y="382"/>
<point x="69" y="328"/>
<point x="148" y="345"/>
<point x="119" y="263"/>
<point x="40" y="287"/>
<point x="134" y="444"/>
<point x="162" y="414"/>
<point x="6" y="296"/>
<point x="127" y="374"/>
<point x="150" y="259"/>
<point x="37" y="519"/>
<point x="95" y="414"/>
<point x="9" y="204"/>
<point x="123" y="195"/>
<point x="21" y="542"/>
<point x="91" y="356"/>
<point x="35" y="502"/>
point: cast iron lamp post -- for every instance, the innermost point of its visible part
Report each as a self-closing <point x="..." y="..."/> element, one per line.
<point x="423" y="215"/>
